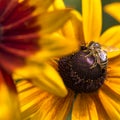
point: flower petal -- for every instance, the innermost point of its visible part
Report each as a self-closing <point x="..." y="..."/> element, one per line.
<point x="110" y="40"/>
<point x="113" y="9"/>
<point x="54" y="45"/>
<point x="58" y="4"/>
<point x="114" y="61"/>
<point x="40" y="105"/>
<point x="39" y="5"/>
<point x="44" y="76"/>
<point x="53" y="20"/>
<point x="67" y="30"/>
<point x="113" y="81"/>
<point x="114" y="86"/>
<point x="114" y="71"/>
<point x="54" y="108"/>
<point x="111" y="102"/>
<point x="100" y="109"/>
<point x="84" y="108"/>
<point x="78" y="27"/>
<point x="8" y="98"/>
<point x="92" y="19"/>
<point x="29" y="98"/>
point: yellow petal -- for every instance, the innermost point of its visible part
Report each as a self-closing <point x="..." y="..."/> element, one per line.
<point x="9" y="106"/>
<point x="113" y="77"/>
<point x="115" y="87"/>
<point x="114" y="71"/>
<point x="110" y="38"/>
<point x="113" y="82"/>
<point x="114" y="61"/>
<point x="92" y="19"/>
<point x="78" y="27"/>
<point x="111" y="42"/>
<point x="67" y="30"/>
<point x="54" y="108"/>
<point x="44" y="76"/>
<point x="29" y="98"/>
<point x="54" y="45"/>
<point x="111" y="102"/>
<point x="58" y="4"/>
<point x="40" y="6"/>
<point x="113" y="9"/>
<point x="102" y="115"/>
<point x="84" y="108"/>
<point x="59" y="45"/>
<point x="51" y="21"/>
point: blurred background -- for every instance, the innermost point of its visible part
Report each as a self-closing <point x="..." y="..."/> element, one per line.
<point x="107" y="20"/>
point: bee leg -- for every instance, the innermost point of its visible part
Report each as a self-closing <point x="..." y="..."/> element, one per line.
<point x="94" y="65"/>
<point x="89" y="54"/>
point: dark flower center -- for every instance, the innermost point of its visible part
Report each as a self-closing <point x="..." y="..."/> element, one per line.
<point x="85" y="70"/>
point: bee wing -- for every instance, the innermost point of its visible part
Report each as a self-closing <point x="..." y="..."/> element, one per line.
<point x="111" y="51"/>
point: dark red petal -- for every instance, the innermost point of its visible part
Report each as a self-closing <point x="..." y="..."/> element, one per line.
<point x="9" y="62"/>
<point x="19" y="34"/>
<point x="6" y="78"/>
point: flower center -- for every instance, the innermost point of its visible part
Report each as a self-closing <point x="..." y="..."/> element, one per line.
<point x="85" y="70"/>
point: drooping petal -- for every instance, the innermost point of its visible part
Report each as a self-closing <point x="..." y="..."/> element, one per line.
<point x="92" y="19"/>
<point x="54" y="108"/>
<point x="113" y="9"/>
<point x="9" y="106"/>
<point x="84" y="108"/>
<point x="110" y="40"/>
<point x="44" y="76"/>
<point x="111" y="102"/>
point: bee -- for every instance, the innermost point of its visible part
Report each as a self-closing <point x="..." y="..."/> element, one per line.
<point x="99" y="54"/>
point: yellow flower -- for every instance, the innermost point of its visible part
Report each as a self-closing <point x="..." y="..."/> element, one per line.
<point x="91" y="75"/>
<point x="25" y="26"/>
<point x="113" y="9"/>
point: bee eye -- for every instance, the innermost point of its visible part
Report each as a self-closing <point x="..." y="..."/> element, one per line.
<point x="97" y="45"/>
<point x="94" y="45"/>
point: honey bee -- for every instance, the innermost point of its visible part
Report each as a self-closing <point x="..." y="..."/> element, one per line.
<point x="99" y="54"/>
